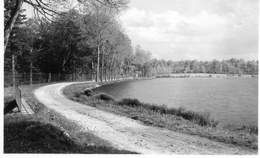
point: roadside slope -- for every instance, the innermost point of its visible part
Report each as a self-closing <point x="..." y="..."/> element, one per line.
<point x="126" y="133"/>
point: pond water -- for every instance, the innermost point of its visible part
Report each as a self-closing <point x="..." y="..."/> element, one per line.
<point x="229" y="100"/>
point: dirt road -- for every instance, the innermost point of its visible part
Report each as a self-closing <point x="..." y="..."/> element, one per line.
<point x="128" y="134"/>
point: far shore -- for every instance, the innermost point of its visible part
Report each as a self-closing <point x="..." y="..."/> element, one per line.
<point x="205" y="75"/>
<point x="179" y="75"/>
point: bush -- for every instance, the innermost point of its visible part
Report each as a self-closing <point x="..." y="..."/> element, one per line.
<point x="202" y="119"/>
<point x="88" y="92"/>
<point x="104" y="96"/>
<point x="180" y="110"/>
<point x="252" y="129"/>
<point x="130" y="102"/>
<point x="172" y="111"/>
<point x="77" y="94"/>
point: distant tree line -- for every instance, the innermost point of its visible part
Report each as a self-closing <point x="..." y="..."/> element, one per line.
<point x="91" y="41"/>
<point x="231" y="66"/>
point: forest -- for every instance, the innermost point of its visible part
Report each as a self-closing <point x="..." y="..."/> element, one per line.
<point x="88" y="42"/>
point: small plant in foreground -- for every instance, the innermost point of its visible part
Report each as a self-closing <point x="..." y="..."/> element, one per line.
<point x="130" y="102"/>
<point x="104" y="96"/>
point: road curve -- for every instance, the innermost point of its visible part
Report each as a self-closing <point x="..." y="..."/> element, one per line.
<point x="126" y="133"/>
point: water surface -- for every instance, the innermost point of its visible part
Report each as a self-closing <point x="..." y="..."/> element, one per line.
<point x="229" y="100"/>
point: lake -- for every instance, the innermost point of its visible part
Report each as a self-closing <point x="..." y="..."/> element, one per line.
<point x="229" y="100"/>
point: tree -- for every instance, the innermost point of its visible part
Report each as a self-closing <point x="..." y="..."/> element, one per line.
<point x="195" y="68"/>
<point x="49" y="9"/>
<point x="141" y="57"/>
<point x="98" y="25"/>
<point x="42" y="7"/>
<point x="14" y="47"/>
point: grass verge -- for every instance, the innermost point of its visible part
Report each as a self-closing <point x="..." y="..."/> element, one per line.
<point x="48" y="131"/>
<point x="179" y="120"/>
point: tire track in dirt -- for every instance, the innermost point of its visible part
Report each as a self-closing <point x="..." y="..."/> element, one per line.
<point x="129" y="134"/>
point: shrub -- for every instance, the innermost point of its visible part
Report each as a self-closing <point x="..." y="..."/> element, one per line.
<point x="88" y="92"/>
<point x="130" y="102"/>
<point x="180" y="110"/>
<point x="244" y="128"/>
<point x="159" y="109"/>
<point x="104" y="96"/>
<point x="172" y="111"/>
<point x="202" y="119"/>
<point x="77" y="94"/>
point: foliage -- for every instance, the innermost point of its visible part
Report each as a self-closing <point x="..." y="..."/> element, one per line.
<point x="129" y="102"/>
<point x="104" y="96"/>
<point x="88" y="92"/>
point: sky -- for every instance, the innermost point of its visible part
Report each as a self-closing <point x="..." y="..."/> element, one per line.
<point x="194" y="29"/>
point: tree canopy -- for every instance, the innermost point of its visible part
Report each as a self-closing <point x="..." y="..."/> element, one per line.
<point x="49" y="9"/>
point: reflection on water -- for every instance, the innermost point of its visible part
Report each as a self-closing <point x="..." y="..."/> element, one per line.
<point x="233" y="101"/>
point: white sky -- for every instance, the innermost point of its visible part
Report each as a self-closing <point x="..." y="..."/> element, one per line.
<point x="194" y="29"/>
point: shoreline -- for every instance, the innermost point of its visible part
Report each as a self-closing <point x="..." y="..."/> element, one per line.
<point x="99" y="84"/>
<point x="206" y="75"/>
<point x="156" y="115"/>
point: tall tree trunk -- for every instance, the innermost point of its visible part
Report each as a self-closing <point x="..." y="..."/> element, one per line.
<point x="74" y="72"/>
<point x="13" y="70"/>
<point x="114" y="69"/>
<point x="97" y="70"/>
<point x="49" y="77"/>
<point x="92" y="70"/>
<point x="106" y="71"/>
<point x="102" y="67"/>
<point x="10" y="23"/>
<point x="31" y="67"/>
<point x="109" y="73"/>
<point x="31" y="75"/>
<point x="110" y="69"/>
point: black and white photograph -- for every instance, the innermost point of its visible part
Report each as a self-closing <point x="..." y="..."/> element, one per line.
<point x="130" y="77"/>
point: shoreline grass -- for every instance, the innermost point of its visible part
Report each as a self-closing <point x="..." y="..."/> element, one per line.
<point x="48" y="131"/>
<point x="179" y="119"/>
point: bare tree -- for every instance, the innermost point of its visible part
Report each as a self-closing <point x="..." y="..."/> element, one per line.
<point x="50" y="8"/>
<point x="104" y="21"/>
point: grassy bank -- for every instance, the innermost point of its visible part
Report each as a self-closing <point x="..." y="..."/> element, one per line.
<point x="47" y="131"/>
<point x="175" y="119"/>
